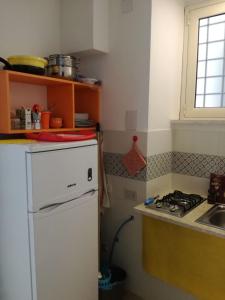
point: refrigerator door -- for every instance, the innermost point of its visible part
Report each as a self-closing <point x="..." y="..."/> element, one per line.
<point x="60" y="175"/>
<point x="64" y="250"/>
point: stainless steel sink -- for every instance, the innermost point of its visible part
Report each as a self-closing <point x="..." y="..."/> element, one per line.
<point x="214" y="217"/>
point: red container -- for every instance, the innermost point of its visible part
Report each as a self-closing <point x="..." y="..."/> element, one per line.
<point x="45" y="119"/>
<point x="56" y="122"/>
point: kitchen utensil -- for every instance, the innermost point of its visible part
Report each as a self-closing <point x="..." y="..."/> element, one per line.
<point x="62" y="66"/>
<point x="81" y="116"/>
<point x="85" y="123"/>
<point x="28" y="60"/>
<point x="24" y="114"/>
<point x="89" y="80"/>
<point x="45" y="119"/>
<point x="134" y="160"/>
<point x="56" y="122"/>
<point x="25" y="63"/>
<point x="15" y="123"/>
<point x="216" y="192"/>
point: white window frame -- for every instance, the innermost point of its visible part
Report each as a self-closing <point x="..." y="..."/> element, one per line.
<point x="192" y="15"/>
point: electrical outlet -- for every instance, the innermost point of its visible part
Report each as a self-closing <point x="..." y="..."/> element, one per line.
<point x="130" y="195"/>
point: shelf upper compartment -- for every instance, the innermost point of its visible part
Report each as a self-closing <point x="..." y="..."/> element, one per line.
<point x="45" y="80"/>
<point x="61" y="96"/>
<point x="35" y="79"/>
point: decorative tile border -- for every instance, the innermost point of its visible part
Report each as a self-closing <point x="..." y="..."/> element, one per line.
<point x="113" y="166"/>
<point x="199" y="165"/>
<point x="159" y="165"/>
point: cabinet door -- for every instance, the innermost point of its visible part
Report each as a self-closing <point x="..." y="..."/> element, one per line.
<point x="84" y="26"/>
<point x="60" y="175"/>
<point x="64" y="251"/>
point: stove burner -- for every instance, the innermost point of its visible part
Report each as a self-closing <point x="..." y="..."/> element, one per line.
<point x="177" y="203"/>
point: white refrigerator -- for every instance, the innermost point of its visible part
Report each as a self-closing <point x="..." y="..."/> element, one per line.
<point x="49" y="221"/>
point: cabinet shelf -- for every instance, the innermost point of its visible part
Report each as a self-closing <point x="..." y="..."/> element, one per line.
<point x="62" y="97"/>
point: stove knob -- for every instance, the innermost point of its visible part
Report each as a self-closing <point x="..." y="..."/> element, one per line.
<point x="158" y="204"/>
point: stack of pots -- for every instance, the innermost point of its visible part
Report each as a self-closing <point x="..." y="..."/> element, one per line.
<point x="60" y="65"/>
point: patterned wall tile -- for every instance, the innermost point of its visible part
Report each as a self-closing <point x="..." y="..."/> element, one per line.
<point x="200" y="165"/>
<point x="192" y="164"/>
<point x="114" y="166"/>
<point x="159" y="165"/>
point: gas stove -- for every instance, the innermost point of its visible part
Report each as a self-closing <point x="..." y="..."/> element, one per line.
<point x="177" y="203"/>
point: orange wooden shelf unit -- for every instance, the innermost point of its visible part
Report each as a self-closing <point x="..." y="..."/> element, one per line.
<point x="64" y="99"/>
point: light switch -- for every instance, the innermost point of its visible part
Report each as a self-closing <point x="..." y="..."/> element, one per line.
<point x="131" y="120"/>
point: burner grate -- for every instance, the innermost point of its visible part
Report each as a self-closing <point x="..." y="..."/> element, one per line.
<point x="177" y="203"/>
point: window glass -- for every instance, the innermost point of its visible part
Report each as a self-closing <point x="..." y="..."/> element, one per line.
<point x="212" y="101"/>
<point x="202" y="52"/>
<point x="210" y="82"/>
<point x="214" y="50"/>
<point x="201" y="69"/>
<point x="199" y="101"/>
<point x="215" y="32"/>
<point x="214" y="67"/>
<point x="200" y="86"/>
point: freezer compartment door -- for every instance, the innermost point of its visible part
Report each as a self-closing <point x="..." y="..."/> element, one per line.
<point x="64" y="248"/>
<point x="60" y="175"/>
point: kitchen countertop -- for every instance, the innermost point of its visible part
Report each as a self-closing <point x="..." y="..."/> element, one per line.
<point x="187" y="221"/>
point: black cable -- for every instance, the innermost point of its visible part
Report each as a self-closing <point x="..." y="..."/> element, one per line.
<point x="116" y="238"/>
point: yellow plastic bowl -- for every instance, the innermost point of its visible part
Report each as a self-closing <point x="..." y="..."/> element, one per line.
<point x="27" y="60"/>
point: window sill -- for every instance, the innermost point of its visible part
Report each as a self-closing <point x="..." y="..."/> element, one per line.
<point x="218" y="125"/>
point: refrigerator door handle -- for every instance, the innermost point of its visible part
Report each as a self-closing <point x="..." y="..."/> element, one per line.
<point x="53" y="206"/>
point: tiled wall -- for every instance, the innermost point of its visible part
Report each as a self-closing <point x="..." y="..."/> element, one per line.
<point x="157" y="165"/>
<point x="199" y="165"/>
<point x="197" y="151"/>
<point x="192" y="164"/>
<point x="156" y="147"/>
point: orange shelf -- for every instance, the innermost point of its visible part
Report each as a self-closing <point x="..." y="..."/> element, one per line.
<point x="64" y="99"/>
<point x="80" y="85"/>
<point x="35" y="79"/>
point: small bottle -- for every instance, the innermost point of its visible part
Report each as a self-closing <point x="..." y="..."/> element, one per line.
<point x="36" y="116"/>
<point x="28" y="124"/>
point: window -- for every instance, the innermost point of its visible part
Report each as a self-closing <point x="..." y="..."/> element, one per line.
<point x="203" y="91"/>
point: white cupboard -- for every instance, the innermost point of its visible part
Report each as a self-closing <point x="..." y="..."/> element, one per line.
<point x="84" y="26"/>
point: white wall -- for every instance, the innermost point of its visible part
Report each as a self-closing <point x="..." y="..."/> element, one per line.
<point x="166" y="62"/>
<point x="125" y="70"/>
<point x="29" y="27"/>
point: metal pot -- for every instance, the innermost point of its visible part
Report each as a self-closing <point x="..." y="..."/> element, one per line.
<point x="62" y="66"/>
